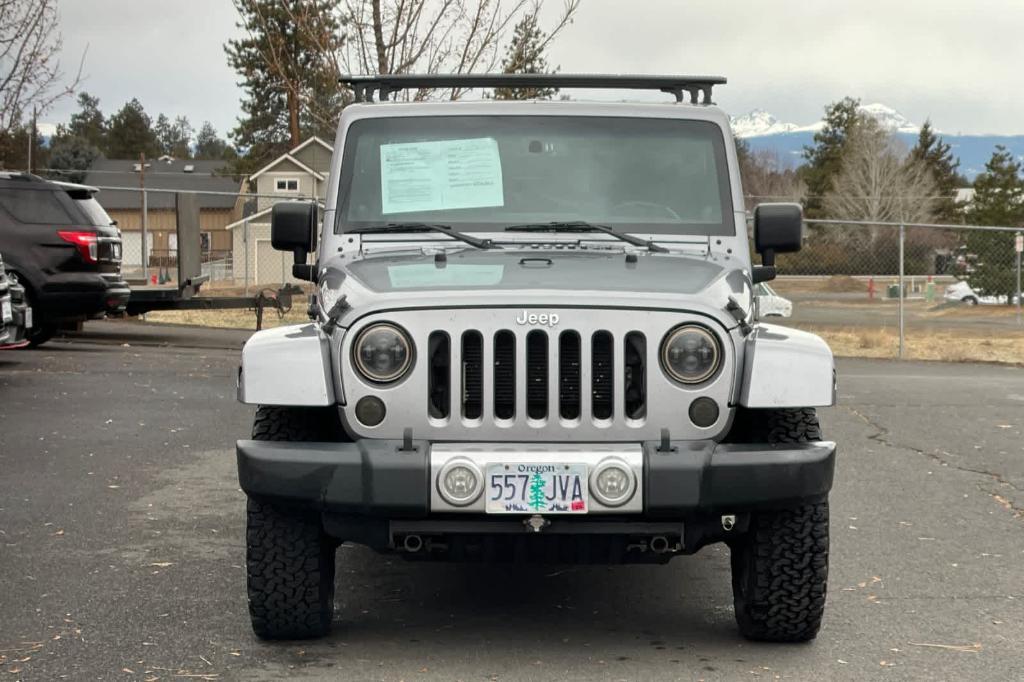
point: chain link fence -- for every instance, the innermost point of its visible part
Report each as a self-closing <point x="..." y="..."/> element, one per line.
<point x="234" y="245"/>
<point x="871" y="289"/>
<point x="909" y="291"/>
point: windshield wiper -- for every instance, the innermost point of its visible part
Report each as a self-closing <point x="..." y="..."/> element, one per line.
<point x="394" y="228"/>
<point x="583" y="226"/>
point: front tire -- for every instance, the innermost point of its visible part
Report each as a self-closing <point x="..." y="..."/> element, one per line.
<point x="780" y="565"/>
<point x="289" y="557"/>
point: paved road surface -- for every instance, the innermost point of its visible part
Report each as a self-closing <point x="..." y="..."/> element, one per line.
<point x="121" y="544"/>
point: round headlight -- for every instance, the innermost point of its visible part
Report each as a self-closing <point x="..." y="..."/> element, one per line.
<point x="382" y="353"/>
<point x="690" y="354"/>
<point x="612" y="482"/>
<point x="460" y="482"/>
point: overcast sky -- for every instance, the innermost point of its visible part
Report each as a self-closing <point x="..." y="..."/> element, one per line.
<point x="958" y="63"/>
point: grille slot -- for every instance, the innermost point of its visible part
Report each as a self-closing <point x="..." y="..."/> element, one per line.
<point x="602" y="378"/>
<point x="504" y="375"/>
<point x="472" y="375"/>
<point x="439" y="390"/>
<point x="537" y="374"/>
<point x="569" y="375"/>
<point x="634" y="363"/>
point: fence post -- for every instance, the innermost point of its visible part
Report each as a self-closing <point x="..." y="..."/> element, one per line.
<point x="245" y="241"/>
<point x="1017" y="243"/>
<point x="902" y="238"/>
<point x="145" y="236"/>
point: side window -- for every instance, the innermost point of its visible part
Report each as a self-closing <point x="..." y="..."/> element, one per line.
<point x="287" y="185"/>
<point x="34" y="206"/>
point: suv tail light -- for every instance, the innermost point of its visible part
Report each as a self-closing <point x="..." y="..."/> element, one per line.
<point x="86" y="242"/>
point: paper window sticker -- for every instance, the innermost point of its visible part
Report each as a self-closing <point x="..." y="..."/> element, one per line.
<point x="440" y="175"/>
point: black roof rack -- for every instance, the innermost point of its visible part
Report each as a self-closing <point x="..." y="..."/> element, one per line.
<point x="386" y="85"/>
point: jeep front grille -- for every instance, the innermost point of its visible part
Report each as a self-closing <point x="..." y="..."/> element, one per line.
<point x="480" y="376"/>
<point x="553" y="378"/>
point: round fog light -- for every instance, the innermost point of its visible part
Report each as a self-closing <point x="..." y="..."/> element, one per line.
<point x="703" y="412"/>
<point x="459" y="482"/>
<point x="612" y="483"/>
<point x="370" y="410"/>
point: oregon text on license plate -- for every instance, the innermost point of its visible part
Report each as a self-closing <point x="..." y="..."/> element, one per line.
<point x="523" y="488"/>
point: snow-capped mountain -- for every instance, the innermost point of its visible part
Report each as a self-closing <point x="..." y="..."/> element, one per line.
<point x="759" y="123"/>
<point x="764" y="132"/>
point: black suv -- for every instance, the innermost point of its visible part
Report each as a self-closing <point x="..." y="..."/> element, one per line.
<point x="63" y="248"/>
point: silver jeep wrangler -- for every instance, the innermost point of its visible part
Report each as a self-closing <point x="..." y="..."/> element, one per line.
<point x="534" y="338"/>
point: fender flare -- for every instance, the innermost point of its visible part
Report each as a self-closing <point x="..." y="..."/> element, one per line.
<point x="785" y="367"/>
<point x="287" y="366"/>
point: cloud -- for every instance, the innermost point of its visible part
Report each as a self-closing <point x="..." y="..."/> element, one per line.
<point x="167" y="53"/>
<point x="957" y="63"/>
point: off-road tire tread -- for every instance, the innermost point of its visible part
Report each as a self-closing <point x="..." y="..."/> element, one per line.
<point x="296" y="424"/>
<point x="787" y="573"/>
<point x="289" y="558"/>
<point x="797" y="425"/>
<point x="783" y="558"/>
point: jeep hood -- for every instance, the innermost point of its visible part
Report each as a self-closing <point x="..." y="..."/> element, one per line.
<point x="527" y="277"/>
<point x="522" y="270"/>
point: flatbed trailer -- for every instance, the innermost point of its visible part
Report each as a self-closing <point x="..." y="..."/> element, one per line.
<point x="185" y="295"/>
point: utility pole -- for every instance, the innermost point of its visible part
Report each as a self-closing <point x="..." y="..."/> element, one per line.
<point x="145" y="216"/>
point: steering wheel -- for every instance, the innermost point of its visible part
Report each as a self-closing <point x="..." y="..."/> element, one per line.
<point x="647" y="204"/>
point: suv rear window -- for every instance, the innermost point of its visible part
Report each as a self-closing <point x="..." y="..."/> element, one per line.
<point x="93" y="211"/>
<point x="35" y="206"/>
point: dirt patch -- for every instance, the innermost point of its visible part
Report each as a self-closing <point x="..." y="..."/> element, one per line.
<point x="229" y="319"/>
<point x="948" y="346"/>
<point x="835" y="284"/>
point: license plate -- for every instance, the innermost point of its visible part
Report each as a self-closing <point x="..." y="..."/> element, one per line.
<point x="524" y="488"/>
<point x="115" y="251"/>
<point x="6" y="313"/>
<point x="28" y="318"/>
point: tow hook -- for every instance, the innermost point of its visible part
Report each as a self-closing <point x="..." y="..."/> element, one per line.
<point x="728" y="522"/>
<point x="536" y="523"/>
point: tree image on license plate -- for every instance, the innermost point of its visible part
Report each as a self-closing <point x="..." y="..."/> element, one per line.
<point x="537" y="489"/>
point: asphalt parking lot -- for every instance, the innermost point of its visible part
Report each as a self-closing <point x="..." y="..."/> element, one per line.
<point x="121" y="544"/>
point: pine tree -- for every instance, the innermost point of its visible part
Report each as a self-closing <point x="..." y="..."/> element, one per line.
<point x="181" y="144"/>
<point x="525" y="54"/>
<point x="73" y="156"/>
<point x="825" y="157"/>
<point x="87" y="123"/>
<point x="130" y="133"/>
<point x="291" y="89"/>
<point x="937" y="157"/>
<point x="164" y="132"/>
<point x="998" y="200"/>
<point x="209" y="145"/>
<point x="538" y="500"/>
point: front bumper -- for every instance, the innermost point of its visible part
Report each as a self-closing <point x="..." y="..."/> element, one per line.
<point x="386" y="479"/>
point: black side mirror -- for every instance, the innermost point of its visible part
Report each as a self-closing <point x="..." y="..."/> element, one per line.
<point x="293" y="226"/>
<point x="778" y="228"/>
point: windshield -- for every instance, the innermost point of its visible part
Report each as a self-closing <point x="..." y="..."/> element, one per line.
<point x="483" y="173"/>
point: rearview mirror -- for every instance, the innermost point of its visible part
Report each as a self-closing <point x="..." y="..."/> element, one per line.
<point x="293" y="226"/>
<point x="778" y="228"/>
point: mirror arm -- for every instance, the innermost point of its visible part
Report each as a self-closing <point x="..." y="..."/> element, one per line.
<point x="300" y="270"/>
<point x="766" y="271"/>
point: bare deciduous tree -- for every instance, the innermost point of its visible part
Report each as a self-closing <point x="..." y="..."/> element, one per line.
<point x="766" y="178"/>
<point x="878" y="182"/>
<point x="431" y="36"/>
<point x="30" y="74"/>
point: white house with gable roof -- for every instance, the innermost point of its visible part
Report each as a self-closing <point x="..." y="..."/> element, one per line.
<point x="299" y="174"/>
